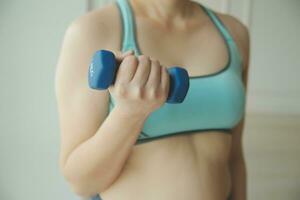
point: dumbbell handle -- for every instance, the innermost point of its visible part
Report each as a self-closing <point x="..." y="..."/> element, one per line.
<point x="102" y="72"/>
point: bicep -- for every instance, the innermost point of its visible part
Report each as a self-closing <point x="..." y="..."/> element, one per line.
<point x="81" y="109"/>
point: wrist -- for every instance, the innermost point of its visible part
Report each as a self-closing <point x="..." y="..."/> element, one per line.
<point x="130" y="114"/>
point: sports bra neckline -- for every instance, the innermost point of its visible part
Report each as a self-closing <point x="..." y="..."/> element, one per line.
<point x="129" y="34"/>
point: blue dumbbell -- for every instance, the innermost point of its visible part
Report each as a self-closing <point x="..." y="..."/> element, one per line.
<point x="102" y="72"/>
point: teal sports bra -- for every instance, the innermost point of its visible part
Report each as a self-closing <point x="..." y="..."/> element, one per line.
<point x="214" y="101"/>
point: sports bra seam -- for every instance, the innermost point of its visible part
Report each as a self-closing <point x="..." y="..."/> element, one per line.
<point x="139" y="140"/>
<point x="193" y="130"/>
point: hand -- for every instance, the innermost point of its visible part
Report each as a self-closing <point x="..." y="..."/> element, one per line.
<point x="141" y="85"/>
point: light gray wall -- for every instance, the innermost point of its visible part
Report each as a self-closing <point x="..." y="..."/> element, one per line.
<point x="30" y="37"/>
<point x="275" y="63"/>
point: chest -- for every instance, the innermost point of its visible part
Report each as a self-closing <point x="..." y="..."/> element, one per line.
<point x="200" y="51"/>
<point x="212" y="103"/>
<point x="216" y="97"/>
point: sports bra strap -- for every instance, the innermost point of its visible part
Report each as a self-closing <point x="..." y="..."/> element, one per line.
<point x="217" y="21"/>
<point x="234" y="52"/>
<point x="128" y="40"/>
<point x="129" y="30"/>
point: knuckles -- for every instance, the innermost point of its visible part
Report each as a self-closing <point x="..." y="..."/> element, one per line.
<point x="153" y="93"/>
<point x="138" y="91"/>
<point x="121" y="90"/>
<point x="155" y="63"/>
<point x="131" y="59"/>
<point x="135" y="90"/>
<point x="143" y="58"/>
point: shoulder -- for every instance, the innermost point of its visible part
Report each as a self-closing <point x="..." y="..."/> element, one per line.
<point x="94" y="27"/>
<point x="240" y="33"/>
<point x="237" y="28"/>
<point x="86" y="34"/>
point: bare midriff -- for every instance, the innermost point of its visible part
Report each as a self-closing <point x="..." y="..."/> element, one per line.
<point x="192" y="166"/>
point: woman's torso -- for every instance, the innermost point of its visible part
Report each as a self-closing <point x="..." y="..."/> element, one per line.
<point x="186" y="166"/>
<point x="193" y="166"/>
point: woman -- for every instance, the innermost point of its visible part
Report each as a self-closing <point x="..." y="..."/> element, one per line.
<point x="104" y="146"/>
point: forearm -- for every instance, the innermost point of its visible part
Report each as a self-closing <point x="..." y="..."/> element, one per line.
<point x="96" y="163"/>
<point x="239" y="179"/>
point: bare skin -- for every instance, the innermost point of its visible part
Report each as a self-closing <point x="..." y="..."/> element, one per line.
<point x="97" y="152"/>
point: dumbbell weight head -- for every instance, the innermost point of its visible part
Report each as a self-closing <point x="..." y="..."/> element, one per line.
<point x="179" y="84"/>
<point x="103" y="68"/>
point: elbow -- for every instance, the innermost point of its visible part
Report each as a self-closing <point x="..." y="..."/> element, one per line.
<point x="83" y="185"/>
<point x="79" y="184"/>
<point x="87" y="188"/>
<point x="82" y="191"/>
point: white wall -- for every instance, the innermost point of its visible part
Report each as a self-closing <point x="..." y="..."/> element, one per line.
<point x="275" y="63"/>
<point x="30" y="37"/>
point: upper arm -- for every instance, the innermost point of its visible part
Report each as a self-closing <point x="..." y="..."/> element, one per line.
<point x="81" y="109"/>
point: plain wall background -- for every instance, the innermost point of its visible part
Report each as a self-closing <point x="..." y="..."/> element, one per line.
<point x="275" y="63"/>
<point x="31" y="33"/>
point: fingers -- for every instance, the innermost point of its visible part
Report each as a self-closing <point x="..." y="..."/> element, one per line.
<point x="121" y="55"/>
<point x="165" y="79"/>
<point x="126" y="70"/>
<point x="142" y="71"/>
<point x="129" y="52"/>
<point x="154" y="78"/>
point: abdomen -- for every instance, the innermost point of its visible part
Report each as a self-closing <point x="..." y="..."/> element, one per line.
<point x="192" y="166"/>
